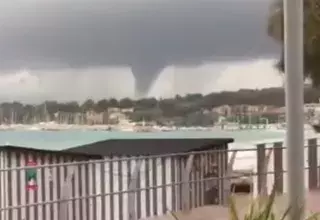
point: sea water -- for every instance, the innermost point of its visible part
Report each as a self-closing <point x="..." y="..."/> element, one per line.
<point x="59" y="140"/>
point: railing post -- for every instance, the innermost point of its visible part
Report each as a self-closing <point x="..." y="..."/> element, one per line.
<point x="2" y="213"/>
<point x="133" y="190"/>
<point x="65" y="195"/>
<point x="261" y="171"/>
<point x="223" y="179"/>
<point x="185" y="184"/>
<point x="227" y="189"/>
<point x="278" y="167"/>
<point x="313" y="163"/>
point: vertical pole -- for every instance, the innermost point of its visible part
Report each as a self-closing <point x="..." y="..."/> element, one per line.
<point x="261" y="169"/>
<point x="278" y="167"/>
<point x="65" y="194"/>
<point x="293" y="42"/>
<point x="186" y="184"/>
<point x="133" y="187"/>
<point x="313" y="163"/>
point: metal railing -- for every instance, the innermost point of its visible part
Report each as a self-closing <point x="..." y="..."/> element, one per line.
<point x="63" y="188"/>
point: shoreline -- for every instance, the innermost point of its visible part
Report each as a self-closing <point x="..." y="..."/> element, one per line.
<point x="53" y="126"/>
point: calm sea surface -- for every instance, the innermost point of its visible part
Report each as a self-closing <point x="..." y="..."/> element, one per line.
<point x="59" y="140"/>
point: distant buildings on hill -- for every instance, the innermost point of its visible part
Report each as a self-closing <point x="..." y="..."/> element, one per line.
<point x="232" y="113"/>
<point x="111" y="116"/>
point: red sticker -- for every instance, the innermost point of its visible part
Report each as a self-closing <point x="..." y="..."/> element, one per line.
<point x="31" y="176"/>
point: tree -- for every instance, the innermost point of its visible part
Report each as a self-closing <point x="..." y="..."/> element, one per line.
<point x="102" y="105"/>
<point x="168" y="107"/>
<point x="311" y="37"/>
<point x="88" y="105"/>
<point x="193" y="97"/>
<point x="52" y="106"/>
<point x="125" y="103"/>
<point x="68" y="107"/>
<point x="113" y="103"/>
<point x="147" y="103"/>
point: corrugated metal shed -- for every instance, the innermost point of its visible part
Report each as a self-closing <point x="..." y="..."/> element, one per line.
<point x="159" y="177"/>
<point x="15" y="187"/>
<point x="36" y="151"/>
<point x="162" y="172"/>
<point x="138" y="147"/>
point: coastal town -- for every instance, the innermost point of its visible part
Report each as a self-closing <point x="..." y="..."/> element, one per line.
<point x="228" y="110"/>
<point x="120" y="119"/>
<point x="241" y="109"/>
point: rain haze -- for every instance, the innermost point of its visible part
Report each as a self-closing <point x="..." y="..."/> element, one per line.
<point x="76" y="49"/>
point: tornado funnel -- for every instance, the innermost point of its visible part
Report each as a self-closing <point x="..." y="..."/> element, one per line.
<point x="144" y="78"/>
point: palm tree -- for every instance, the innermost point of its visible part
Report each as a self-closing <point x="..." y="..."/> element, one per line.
<point x="311" y="36"/>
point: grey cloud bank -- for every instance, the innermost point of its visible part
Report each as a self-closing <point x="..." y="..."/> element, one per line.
<point x="146" y="36"/>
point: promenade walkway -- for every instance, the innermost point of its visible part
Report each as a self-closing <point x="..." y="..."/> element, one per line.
<point x="221" y="213"/>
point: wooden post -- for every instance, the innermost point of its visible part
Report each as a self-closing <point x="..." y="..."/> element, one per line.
<point x="313" y="163"/>
<point x="261" y="161"/>
<point x="223" y="185"/>
<point x="230" y="169"/>
<point x="226" y="179"/>
<point x="227" y="185"/>
<point x="278" y="167"/>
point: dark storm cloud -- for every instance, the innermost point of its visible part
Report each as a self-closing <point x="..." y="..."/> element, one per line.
<point x="69" y="33"/>
<point x="145" y="35"/>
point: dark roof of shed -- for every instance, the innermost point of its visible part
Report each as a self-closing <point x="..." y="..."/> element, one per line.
<point x="137" y="147"/>
<point x="56" y="152"/>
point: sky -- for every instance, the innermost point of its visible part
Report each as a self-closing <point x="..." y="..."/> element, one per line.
<point x="79" y="49"/>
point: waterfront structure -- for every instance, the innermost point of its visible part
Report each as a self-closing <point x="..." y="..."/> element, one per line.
<point x="113" y="179"/>
<point x="170" y="175"/>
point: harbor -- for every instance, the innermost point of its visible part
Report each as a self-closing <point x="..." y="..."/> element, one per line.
<point x="159" y="110"/>
<point x="108" y="166"/>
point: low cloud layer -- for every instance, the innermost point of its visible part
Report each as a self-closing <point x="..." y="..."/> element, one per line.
<point x="35" y="86"/>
